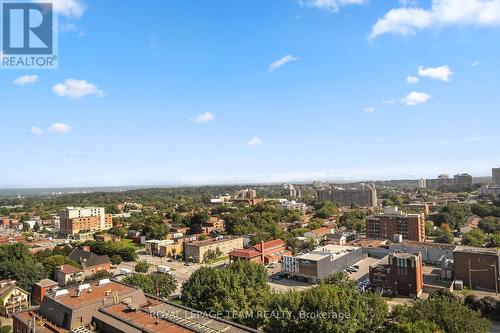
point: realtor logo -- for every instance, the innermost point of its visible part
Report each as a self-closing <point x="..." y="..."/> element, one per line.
<point x="29" y="36"/>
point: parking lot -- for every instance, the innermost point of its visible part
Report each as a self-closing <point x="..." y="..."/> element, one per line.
<point x="363" y="269"/>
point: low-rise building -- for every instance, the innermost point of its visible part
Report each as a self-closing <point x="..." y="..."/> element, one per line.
<point x="399" y="274"/>
<point x="262" y="253"/>
<point x="109" y="306"/>
<point x="478" y="268"/>
<point x="91" y="262"/>
<point x="41" y="288"/>
<point x="12" y="298"/>
<point x="319" y="234"/>
<point x="196" y="251"/>
<point x="321" y="262"/>
<point x="67" y="274"/>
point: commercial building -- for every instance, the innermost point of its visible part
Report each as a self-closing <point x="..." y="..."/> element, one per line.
<point x="262" y="253"/>
<point x="75" y="220"/>
<point x="109" y="306"/>
<point x="12" y="298"/>
<point x="363" y="197"/>
<point x="196" y="251"/>
<point x="478" y="268"/>
<point x="321" y="262"/>
<point x="394" y="222"/>
<point x="463" y="179"/>
<point x="399" y="274"/>
<point x="163" y="248"/>
<point x="495" y="174"/>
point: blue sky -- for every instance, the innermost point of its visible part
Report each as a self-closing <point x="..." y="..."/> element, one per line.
<point x="161" y="92"/>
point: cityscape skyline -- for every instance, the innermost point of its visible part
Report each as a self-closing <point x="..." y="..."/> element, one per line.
<point x="296" y="90"/>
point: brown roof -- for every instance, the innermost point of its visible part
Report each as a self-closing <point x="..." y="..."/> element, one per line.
<point x="143" y="320"/>
<point x="71" y="300"/>
<point x="270" y="244"/>
<point x="68" y="269"/>
<point x="46" y="283"/>
<point x="244" y="253"/>
<point x="321" y="231"/>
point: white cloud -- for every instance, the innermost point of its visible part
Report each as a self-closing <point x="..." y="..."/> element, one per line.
<point x="36" y="131"/>
<point x="412" y="79"/>
<point x="73" y="88"/>
<point x="406" y="21"/>
<point x="280" y="62"/>
<point x="369" y="109"/>
<point x="255" y="141"/>
<point x="442" y="73"/>
<point x="204" y="117"/>
<point x="476" y="63"/>
<point x="389" y="102"/>
<point x="330" y="5"/>
<point x="26" y="79"/>
<point x="415" y="98"/>
<point x="60" y="128"/>
<point x="69" y="8"/>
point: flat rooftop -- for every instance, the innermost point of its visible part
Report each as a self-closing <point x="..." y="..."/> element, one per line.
<point x="476" y="250"/>
<point x="97" y="293"/>
<point x="211" y="241"/>
<point x="321" y="252"/>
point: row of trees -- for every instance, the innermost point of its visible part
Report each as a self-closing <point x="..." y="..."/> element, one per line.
<point x="240" y="293"/>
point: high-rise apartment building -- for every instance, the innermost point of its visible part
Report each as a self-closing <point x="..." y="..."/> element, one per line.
<point x="364" y="197"/>
<point x="463" y="179"/>
<point x="74" y="220"/>
<point x="394" y="222"/>
<point x="495" y="173"/>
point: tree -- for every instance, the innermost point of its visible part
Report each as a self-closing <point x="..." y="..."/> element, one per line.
<point x="17" y="263"/>
<point x="142" y="267"/>
<point x="344" y="309"/>
<point x="475" y="237"/>
<point x="445" y="237"/>
<point x="50" y="263"/>
<point x="100" y="275"/>
<point x="448" y="313"/>
<point x="239" y="288"/>
<point x="158" y="284"/>
<point x="116" y="259"/>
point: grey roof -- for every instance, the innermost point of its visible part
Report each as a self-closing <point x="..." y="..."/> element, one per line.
<point x="88" y="259"/>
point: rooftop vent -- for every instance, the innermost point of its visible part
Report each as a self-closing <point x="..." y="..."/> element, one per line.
<point x="83" y="287"/>
<point x="62" y="292"/>
<point x="103" y="282"/>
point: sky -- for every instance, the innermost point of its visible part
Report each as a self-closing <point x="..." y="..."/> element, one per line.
<point x="160" y="92"/>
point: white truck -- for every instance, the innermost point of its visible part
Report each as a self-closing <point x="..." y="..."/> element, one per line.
<point x="163" y="269"/>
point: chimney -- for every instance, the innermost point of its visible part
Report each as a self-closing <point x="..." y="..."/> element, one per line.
<point x="86" y="248"/>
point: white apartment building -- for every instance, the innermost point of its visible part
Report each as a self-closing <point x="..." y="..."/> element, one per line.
<point x="292" y="205"/>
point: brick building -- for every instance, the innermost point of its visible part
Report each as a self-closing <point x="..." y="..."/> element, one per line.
<point x="196" y="251"/>
<point x="75" y="220"/>
<point x="399" y="274"/>
<point x="41" y="288"/>
<point x="478" y="268"/>
<point x="392" y="222"/>
<point x="262" y="253"/>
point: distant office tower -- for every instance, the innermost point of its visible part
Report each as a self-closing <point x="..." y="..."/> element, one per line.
<point x="363" y="197"/>
<point x="441" y="180"/>
<point x="422" y="183"/>
<point x="74" y="220"/>
<point x="319" y="184"/>
<point x="394" y="222"/>
<point x="495" y="173"/>
<point x="463" y="179"/>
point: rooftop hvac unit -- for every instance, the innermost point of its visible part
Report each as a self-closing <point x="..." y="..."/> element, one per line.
<point x="103" y="282"/>
<point x="83" y="287"/>
<point x="62" y="292"/>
